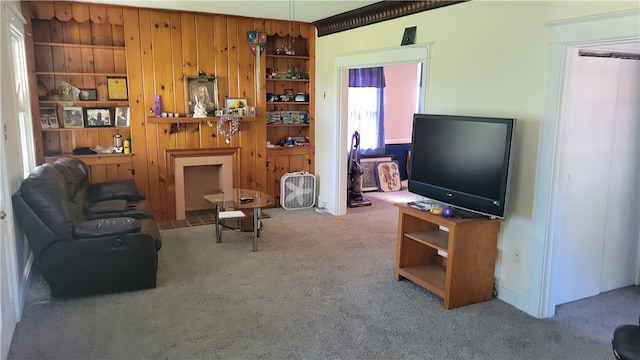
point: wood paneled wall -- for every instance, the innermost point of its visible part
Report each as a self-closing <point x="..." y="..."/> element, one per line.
<point x="161" y="48"/>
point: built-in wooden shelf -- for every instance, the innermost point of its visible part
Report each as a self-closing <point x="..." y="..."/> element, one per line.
<point x="298" y="57"/>
<point x="287" y="103"/>
<point x="84" y="46"/>
<point x="96" y="128"/>
<point x="287" y="79"/>
<point x="85" y="102"/>
<point x="188" y="119"/>
<point x="58" y="73"/>
<point x="275" y="125"/>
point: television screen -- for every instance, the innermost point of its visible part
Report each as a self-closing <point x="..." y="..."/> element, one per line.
<point x="462" y="161"/>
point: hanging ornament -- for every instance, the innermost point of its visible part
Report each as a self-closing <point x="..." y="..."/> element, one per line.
<point x="228" y="125"/>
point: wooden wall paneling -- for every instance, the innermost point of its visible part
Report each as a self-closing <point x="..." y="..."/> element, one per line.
<point x="246" y="76"/>
<point x="66" y="145"/>
<point x="204" y="43"/>
<point x="151" y="134"/>
<point x="42" y="10"/>
<point x="101" y="34"/>
<point x="43" y="58"/>
<point x="311" y="44"/>
<point x="138" y="108"/>
<point x="232" y="59"/>
<point x="80" y="12"/>
<point x="62" y="11"/>
<point x="163" y="74"/>
<point x="98" y="14"/>
<point x="73" y="55"/>
<point x="221" y="55"/>
<point x="177" y="74"/>
<point x="93" y="139"/>
<point x="87" y="60"/>
<point x="84" y="28"/>
<point x="190" y="133"/>
<point x="119" y="61"/>
<point x="260" y="157"/>
<point x="51" y="142"/>
<point x="175" y="39"/>
<point x="41" y="31"/>
<point x="115" y="17"/>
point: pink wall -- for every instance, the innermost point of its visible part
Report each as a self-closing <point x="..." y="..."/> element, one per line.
<point x="400" y="97"/>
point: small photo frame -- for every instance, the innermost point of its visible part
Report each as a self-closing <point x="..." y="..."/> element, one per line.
<point x="388" y="176"/>
<point x="73" y="117"/>
<point x="236" y="103"/>
<point x="88" y="94"/>
<point x="251" y="111"/>
<point x="49" y="118"/>
<point x="369" y="182"/>
<point x="122" y="116"/>
<point x="117" y="88"/>
<point x="97" y="117"/>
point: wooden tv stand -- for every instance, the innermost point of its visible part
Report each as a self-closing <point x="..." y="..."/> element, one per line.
<point x="465" y="275"/>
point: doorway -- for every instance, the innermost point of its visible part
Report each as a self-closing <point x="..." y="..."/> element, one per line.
<point x="413" y="54"/>
<point x="595" y="31"/>
<point x="597" y="183"/>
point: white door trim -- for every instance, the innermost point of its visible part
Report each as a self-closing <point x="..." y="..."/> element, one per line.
<point x="621" y="27"/>
<point x="412" y="54"/>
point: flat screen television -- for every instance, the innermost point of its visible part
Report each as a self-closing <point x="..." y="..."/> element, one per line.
<point x="462" y="161"/>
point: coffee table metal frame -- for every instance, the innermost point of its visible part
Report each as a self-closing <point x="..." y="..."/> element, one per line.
<point x="239" y="199"/>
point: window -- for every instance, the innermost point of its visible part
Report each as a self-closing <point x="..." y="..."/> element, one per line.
<point x="21" y="81"/>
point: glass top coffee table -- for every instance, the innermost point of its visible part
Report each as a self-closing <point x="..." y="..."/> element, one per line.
<point x="239" y="199"/>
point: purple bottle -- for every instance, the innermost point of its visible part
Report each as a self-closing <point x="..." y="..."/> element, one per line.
<point x="156" y="102"/>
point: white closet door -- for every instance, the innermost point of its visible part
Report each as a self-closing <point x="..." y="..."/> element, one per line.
<point x="587" y="134"/>
<point x="623" y="215"/>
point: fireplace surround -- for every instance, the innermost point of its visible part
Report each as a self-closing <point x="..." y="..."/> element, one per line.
<point x="223" y="161"/>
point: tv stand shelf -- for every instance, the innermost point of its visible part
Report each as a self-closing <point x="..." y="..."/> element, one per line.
<point x="453" y="258"/>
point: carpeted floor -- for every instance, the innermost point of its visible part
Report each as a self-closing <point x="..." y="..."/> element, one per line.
<point x="320" y="287"/>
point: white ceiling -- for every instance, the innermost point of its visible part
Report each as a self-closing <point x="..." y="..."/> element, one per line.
<point x="297" y="10"/>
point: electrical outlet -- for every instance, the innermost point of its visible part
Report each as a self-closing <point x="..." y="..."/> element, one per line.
<point x="322" y="204"/>
<point x="516" y="255"/>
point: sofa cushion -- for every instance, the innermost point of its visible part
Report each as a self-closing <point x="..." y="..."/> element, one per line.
<point x="119" y="189"/>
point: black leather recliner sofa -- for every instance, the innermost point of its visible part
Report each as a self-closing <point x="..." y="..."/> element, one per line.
<point x="105" y="199"/>
<point x="78" y="255"/>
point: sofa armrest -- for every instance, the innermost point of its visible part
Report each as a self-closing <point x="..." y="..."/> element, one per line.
<point x="120" y="189"/>
<point x="106" y="227"/>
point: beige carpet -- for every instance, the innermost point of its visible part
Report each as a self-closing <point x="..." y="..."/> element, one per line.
<point x="320" y="287"/>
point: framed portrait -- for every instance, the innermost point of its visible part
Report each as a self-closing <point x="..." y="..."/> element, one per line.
<point x="97" y="117"/>
<point x="73" y="117"/>
<point x="388" y="176"/>
<point x="117" y="88"/>
<point x="49" y="118"/>
<point x="369" y="181"/>
<point x="201" y="92"/>
<point x="122" y="116"/>
<point x="88" y="94"/>
<point x="236" y="103"/>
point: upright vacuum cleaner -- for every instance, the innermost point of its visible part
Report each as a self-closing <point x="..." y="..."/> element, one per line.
<point x="356" y="199"/>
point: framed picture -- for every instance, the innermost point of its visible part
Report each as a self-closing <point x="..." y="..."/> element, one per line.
<point x="388" y="176"/>
<point x="117" y="88"/>
<point x="88" y="94"/>
<point x="73" y="117"/>
<point x="201" y="93"/>
<point x="49" y="118"/>
<point x="236" y="103"/>
<point x="368" y="165"/>
<point x="97" y="117"/>
<point x="122" y="116"/>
